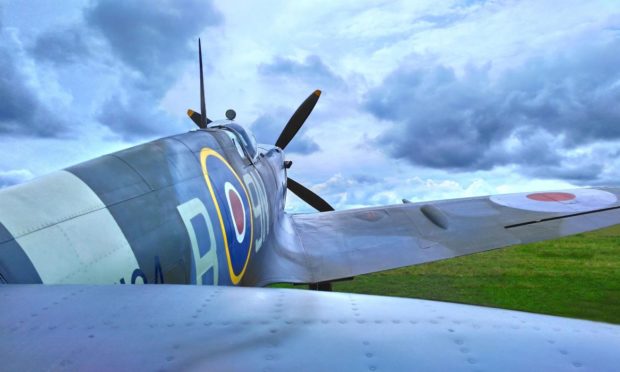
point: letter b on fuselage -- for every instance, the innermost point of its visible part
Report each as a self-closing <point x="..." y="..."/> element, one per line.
<point x="202" y="238"/>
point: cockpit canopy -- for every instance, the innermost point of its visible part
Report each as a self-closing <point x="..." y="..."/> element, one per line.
<point x="245" y="139"/>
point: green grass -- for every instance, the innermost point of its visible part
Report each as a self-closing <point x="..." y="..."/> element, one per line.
<point x="577" y="277"/>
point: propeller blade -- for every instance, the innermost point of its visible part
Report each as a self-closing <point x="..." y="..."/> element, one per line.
<point x="196" y="117"/>
<point x="308" y="196"/>
<point x="298" y="119"/>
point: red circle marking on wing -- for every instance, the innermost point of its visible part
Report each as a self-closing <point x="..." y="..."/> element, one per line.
<point x="551" y="196"/>
<point x="237" y="210"/>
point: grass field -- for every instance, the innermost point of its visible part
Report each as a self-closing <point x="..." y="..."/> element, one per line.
<point x="577" y="277"/>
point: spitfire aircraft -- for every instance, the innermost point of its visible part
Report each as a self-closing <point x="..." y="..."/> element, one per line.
<point x="207" y="207"/>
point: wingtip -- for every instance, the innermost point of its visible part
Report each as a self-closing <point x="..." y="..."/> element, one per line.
<point x="190" y="112"/>
<point x="317" y="93"/>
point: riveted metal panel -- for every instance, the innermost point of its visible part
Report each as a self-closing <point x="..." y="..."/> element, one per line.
<point x="239" y="329"/>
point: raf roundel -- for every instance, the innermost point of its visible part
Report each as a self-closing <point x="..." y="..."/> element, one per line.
<point x="234" y="211"/>
<point x="571" y="201"/>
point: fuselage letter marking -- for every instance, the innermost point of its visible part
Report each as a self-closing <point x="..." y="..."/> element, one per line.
<point x="188" y="211"/>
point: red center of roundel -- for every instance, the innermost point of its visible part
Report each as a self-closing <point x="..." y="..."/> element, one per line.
<point x="237" y="210"/>
<point x="551" y="196"/>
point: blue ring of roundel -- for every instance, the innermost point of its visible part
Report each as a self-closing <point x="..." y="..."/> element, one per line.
<point x="220" y="173"/>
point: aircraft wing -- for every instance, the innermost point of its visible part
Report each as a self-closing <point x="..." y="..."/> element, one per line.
<point x="180" y="327"/>
<point x="341" y="244"/>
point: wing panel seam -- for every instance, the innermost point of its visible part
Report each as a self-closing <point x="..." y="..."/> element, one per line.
<point x="561" y="217"/>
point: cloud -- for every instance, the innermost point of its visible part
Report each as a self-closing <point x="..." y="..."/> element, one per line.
<point x="442" y="20"/>
<point x="356" y="191"/>
<point x="152" y="37"/>
<point x="268" y="127"/>
<point x="468" y="3"/>
<point x="311" y="71"/>
<point x="64" y="46"/>
<point x="595" y="165"/>
<point x="22" y="111"/>
<point x="135" y="118"/>
<point x="14" y="177"/>
<point x="365" y="179"/>
<point x="135" y="49"/>
<point x="531" y="115"/>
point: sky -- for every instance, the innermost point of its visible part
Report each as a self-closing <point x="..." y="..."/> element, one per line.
<point x="422" y="100"/>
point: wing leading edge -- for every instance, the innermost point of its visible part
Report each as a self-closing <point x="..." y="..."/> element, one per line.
<point x="342" y="244"/>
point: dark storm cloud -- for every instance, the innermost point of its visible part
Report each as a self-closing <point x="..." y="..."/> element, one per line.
<point x="21" y="110"/>
<point x="268" y="127"/>
<point x="582" y="173"/>
<point x="134" y="119"/>
<point x="64" y="46"/>
<point x="142" y="43"/>
<point x="311" y="71"/>
<point x="153" y="37"/>
<point x="528" y="116"/>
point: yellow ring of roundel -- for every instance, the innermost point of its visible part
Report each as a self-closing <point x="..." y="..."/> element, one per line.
<point x="204" y="153"/>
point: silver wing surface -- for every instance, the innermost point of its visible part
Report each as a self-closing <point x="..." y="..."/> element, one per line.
<point x="331" y="245"/>
<point x="177" y="327"/>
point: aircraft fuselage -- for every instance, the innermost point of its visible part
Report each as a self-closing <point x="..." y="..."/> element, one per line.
<point x="191" y="208"/>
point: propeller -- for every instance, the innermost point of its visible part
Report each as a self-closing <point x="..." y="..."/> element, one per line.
<point x="196" y="118"/>
<point x="289" y="131"/>
<point x="308" y="196"/>
<point x="298" y="119"/>
<point x="201" y="120"/>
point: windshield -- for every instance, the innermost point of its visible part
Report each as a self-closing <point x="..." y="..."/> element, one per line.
<point x="247" y="139"/>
